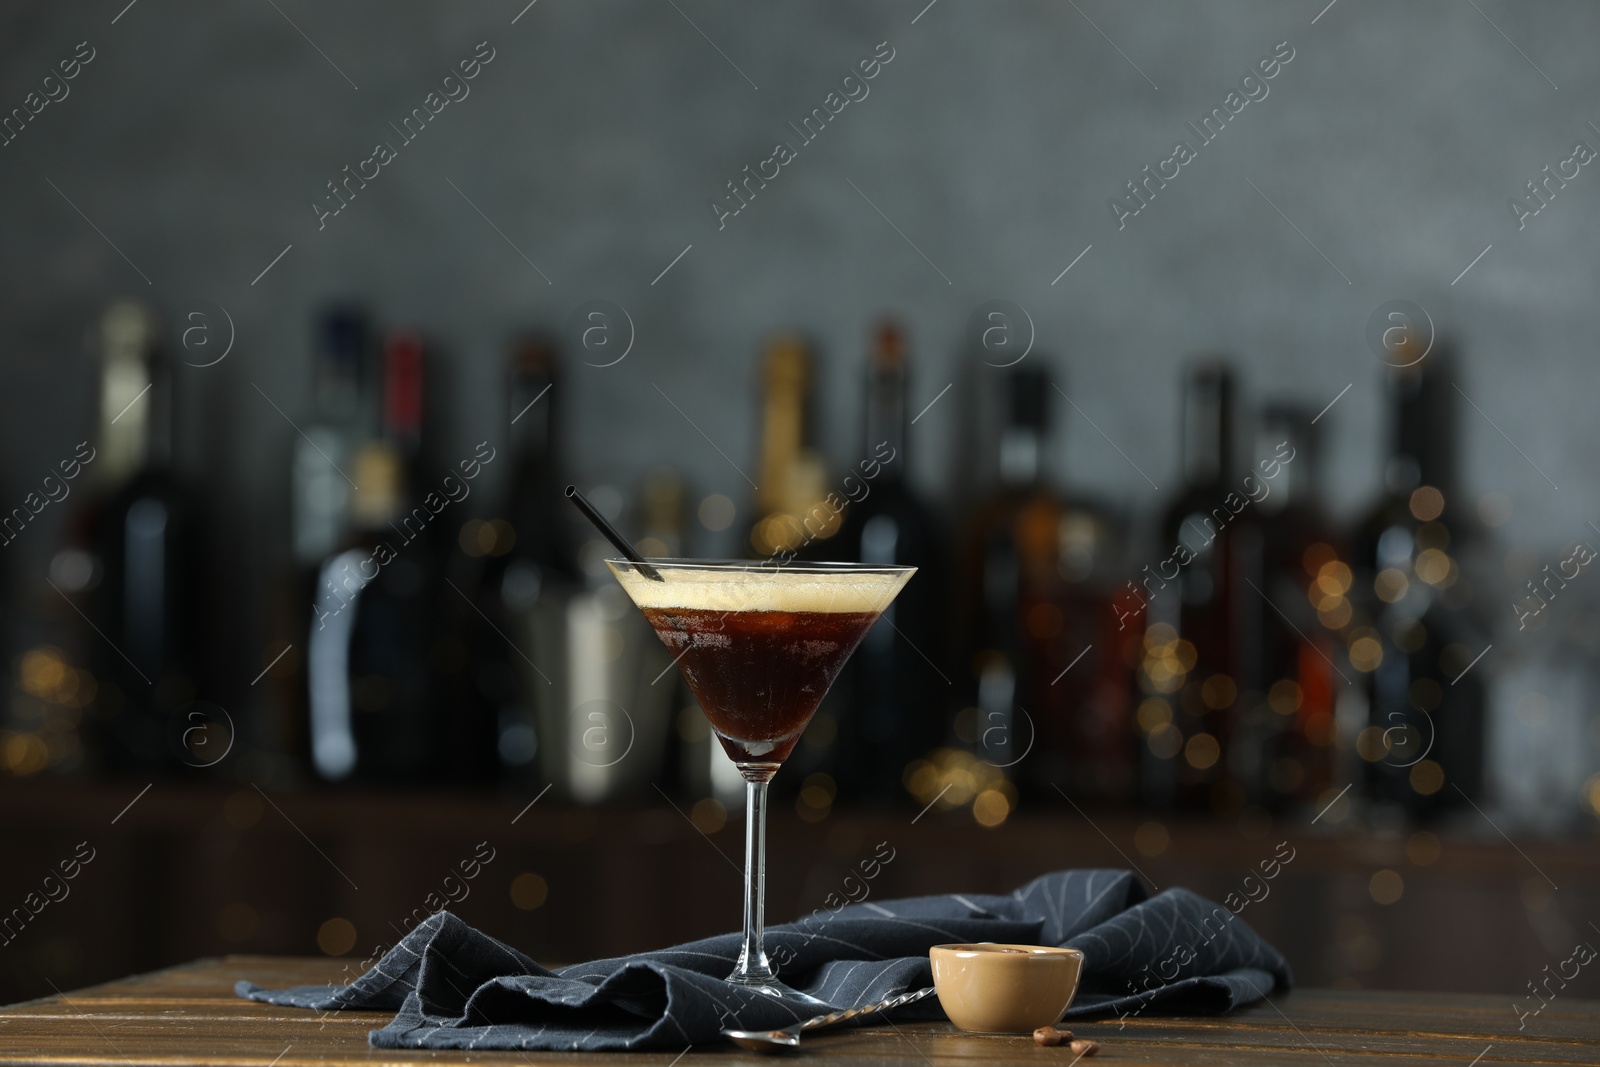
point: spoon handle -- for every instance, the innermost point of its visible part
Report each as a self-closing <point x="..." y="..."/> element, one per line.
<point x="865" y="1009"/>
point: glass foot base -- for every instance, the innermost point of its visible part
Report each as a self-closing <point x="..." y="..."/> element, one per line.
<point x="773" y="988"/>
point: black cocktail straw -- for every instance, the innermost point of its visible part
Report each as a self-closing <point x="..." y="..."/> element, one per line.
<point x="591" y="513"/>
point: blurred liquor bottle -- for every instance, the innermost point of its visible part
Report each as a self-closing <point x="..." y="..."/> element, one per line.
<point x="640" y="677"/>
<point x="1009" y="571"/>
<point x="1079" y="684"/>
<point x="143" y="538"/>
<point x="528" y="570"/>
<point x="890" y="701"/>
<point x="1287" y="727"/>
<point x="791" y="516"/>
<point x="344" y="413"/>
<point x="1195" y="613"/>
<point x="617" y="692"/>
<point x="342" y="417"/>
<point x="1416" y="636"/>
<point x="369" y="656"/>
<point x="556" y="654"/>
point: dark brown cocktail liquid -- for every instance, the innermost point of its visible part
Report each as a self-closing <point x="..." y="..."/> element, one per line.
<point x="759" y="675"/>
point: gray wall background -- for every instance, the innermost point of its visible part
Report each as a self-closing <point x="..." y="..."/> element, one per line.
<point x="200" y="134"/>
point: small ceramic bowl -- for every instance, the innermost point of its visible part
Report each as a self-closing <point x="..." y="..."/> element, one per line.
<point x="1005" y="989"/>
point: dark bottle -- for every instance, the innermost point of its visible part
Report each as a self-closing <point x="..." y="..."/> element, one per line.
<point x="529" y="573"/>
<point x="1048" y="683"/>
<point x="1196" y="612"/>
<point x="1029" y="563"/>
<point x="373" y="714"/>
<point x="890" y="701"/>
<point x="1416" y="637"/>
<point x="991" y="579"/>
<point x="1295" y="559"/>
<point x="1079" y="653"/>
<point x="342" y="418"/>
<point x="343" y="414"/>
<point x="143" y="605"/>
<point x="643" y="676"/>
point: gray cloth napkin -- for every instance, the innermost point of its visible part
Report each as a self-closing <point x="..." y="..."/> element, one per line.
<point x="451" y="986"/>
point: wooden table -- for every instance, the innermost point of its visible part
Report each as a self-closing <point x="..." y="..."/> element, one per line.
<point x="189" y="1015"/>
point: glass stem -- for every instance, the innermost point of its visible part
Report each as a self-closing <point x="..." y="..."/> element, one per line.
<point x="753" y="967"/>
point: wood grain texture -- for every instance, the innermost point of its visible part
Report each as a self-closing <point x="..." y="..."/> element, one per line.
<point x="188" y="1015"/>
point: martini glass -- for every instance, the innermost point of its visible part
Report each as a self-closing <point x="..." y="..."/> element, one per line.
<point x="759" y="646"/>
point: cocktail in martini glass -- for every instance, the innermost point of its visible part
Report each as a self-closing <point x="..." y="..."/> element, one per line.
<point x="759" y="646"/>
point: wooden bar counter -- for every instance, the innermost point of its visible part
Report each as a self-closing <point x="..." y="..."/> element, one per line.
<point x="194" y="870"/>
<point x="190" y="1015"/>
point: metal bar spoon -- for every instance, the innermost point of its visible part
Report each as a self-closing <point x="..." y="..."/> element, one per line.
<point x="789" y="1036"/>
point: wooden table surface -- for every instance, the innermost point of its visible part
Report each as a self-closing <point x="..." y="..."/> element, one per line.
<point x="189" y="1015"/>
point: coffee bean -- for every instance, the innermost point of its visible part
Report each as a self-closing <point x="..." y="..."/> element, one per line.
<point x="1084" y="1048"/>
<point x="1049" y="1035"/>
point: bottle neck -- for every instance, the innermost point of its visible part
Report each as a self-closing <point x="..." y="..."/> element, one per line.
<point x="533" y="406"/>
<point x="783" y="410"/>
<point x="387" y="465"/>
<point x="135" y="401"/>
<point x="1022" y="442"/>
<point x="539" y="518"/>
<point x="1423" y="428"/>
<point x="1207" y="430"/>
<point x="402" y="395"/>
<point x="662" y="510"/>
<point x="1286" y="447"/>
<point x="886" y="419"/>
<point x="793" y="476"/>
<point x="342" y="372"/>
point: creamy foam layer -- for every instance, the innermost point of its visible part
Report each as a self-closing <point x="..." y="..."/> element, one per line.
<point x="762" y="589"/>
